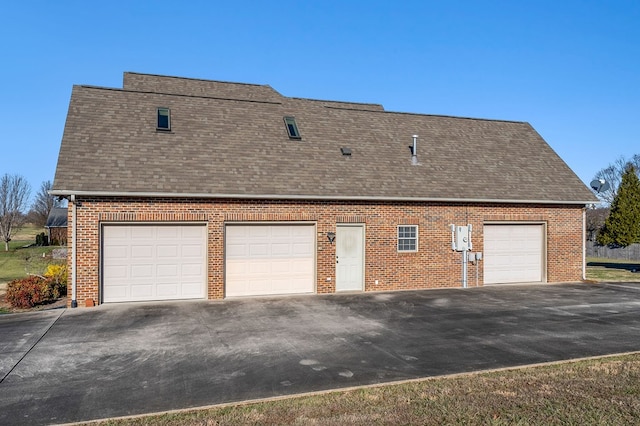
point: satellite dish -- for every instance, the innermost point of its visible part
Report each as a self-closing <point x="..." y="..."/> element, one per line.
<point x="600" y="185"/>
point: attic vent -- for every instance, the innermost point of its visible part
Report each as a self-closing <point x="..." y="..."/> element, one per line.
<point x="292" y="128"/>
<point x="164" y="119"/>
<point x="346" y="151"/>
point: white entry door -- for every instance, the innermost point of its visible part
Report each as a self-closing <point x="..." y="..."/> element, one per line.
<point x="349" y="257"/>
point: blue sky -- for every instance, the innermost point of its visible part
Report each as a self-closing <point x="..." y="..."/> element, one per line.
<point x="570" y="68"/>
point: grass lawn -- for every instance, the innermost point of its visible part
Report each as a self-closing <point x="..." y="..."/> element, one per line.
<point x="21" y="261"/>
<point x="600" y="269"/>
<point x="18" y="261"/>
<point x="604" y="391"/>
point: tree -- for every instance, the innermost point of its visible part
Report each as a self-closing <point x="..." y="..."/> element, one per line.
<point x="42" y="204"/>
<point x="613" y="175"/>
<point x="622" y="227"/>
<point x="595" y="218"/>
<point x="14" y="194"/>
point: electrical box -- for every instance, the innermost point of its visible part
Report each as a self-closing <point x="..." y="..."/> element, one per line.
<point x="461" y="237"/>
<point x="479" y="255"/>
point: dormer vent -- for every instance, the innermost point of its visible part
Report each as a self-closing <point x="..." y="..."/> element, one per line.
<point x="346" y="152"/>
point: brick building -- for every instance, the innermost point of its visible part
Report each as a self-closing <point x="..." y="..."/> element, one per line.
<point x="182" y="188"/>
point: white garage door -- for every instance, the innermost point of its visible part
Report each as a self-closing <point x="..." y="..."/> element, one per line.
<point x="153" y="262"/>
<point x="269" y="259"/>
<point x="513" y="253"/>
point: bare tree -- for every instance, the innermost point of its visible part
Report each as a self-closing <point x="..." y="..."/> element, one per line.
<point x="14" y="194"/>
<point x="613" y="175"/>
<point x="42" y="204"/>
<point x="595" y="221"/>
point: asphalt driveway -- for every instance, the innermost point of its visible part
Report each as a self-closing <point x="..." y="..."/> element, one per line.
<point x="115" y="360"/>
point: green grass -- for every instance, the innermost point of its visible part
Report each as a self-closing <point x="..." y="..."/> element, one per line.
<point x="600" y="269"/>
<point x="603" y="391"/>
<point x="18" y="262"/>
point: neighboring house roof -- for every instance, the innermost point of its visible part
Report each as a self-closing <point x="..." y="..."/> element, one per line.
<point x="57" y="218"/>
<point x="229" y="140"/>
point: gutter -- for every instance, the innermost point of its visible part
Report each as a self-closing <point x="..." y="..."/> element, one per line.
<point x="61" y="192"/>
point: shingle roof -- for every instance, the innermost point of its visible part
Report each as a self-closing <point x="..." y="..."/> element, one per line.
<point x="229" y="139"/>
<point x="57" y="218"/>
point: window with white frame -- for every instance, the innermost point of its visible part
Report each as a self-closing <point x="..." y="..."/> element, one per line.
<point x="408" y="238"/>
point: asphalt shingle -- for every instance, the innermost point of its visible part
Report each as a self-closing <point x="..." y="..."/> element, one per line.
<point x="229" y="139"/>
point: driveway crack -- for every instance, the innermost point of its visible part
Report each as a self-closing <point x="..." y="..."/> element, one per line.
<point x="62" y="311"/>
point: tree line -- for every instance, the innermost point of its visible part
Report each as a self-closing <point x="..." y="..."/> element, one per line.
<point x="616" y="223"/>
<point x="15" y="193"/>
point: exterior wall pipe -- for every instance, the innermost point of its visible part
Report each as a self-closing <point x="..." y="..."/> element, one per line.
<point x="414" y="150"/>
<point x="74" y="246"/>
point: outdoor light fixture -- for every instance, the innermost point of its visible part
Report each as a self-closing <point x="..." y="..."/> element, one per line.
<point x="331" y="236"/>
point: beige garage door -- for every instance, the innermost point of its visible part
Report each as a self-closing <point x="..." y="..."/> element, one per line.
<point x="513" y="253"/>
<point x="153" y="262"/>
<point x="269" y="259"/>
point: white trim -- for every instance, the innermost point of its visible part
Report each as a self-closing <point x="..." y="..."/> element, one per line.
<point x="65" y="192"/>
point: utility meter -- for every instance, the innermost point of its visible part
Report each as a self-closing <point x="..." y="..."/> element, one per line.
<point x="461" y="237"/>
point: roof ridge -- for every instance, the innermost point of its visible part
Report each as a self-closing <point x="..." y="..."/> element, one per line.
<point x="117" y="89"/>
<point x="334" y="102"/>
<point x="204" y="79"/>
<point x="457" y="117"/>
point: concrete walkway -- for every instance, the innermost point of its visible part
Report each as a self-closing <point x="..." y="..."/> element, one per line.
<point x="115" y="360"/>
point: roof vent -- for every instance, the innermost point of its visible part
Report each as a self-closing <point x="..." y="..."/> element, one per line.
<point x="414" y="150"/>
<point x="346" y="152"/>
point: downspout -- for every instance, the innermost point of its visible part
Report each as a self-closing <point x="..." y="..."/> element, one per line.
<point x="74" y="246"/>
<point x="584" y="244"/>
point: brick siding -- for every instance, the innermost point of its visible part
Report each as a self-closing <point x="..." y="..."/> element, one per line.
<point x="434" y="265"/>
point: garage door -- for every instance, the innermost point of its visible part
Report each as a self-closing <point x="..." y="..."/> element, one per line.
<point x="513" y="253"/>
<point x="269" y="259"/>
<point x="153" y="262"/>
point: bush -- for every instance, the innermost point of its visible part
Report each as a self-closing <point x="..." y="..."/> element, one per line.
<point x="58" y="273"/>
<point x="42" y="239"/>
<point x="33" y="290"/>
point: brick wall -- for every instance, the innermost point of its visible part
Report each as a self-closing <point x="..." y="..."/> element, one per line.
<point x="434" y="265"/>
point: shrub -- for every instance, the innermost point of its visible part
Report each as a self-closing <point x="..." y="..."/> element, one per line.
<point x="33" y="290"/>
<point x="57" y="272"/>
<point x="42" y="239"/>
